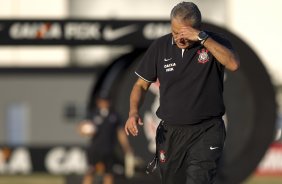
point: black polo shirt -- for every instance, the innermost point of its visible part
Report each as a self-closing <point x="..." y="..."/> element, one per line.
<point x="191" y="80"/>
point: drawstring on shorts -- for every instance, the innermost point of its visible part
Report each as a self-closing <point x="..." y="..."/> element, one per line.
<point x="160" y="138"/>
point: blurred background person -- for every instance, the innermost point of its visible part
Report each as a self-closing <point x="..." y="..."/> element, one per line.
<point x="103" y="126"/>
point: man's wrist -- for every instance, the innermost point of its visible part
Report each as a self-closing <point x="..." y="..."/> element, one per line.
<point x="133" y="113"/>
<point x="204" y="41"/>
<point x="202" y="37"/>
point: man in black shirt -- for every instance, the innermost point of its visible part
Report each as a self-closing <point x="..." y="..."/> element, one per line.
<point x="104" y="127"/>
<point x="189" y="64"/>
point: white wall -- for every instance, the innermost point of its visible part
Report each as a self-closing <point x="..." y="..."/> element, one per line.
<point x="142" y="9"/>
<point x="259" y="23"/>
<point x="33" y="56"/>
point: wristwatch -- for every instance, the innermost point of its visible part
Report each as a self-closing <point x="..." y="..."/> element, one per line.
<point x="202" y="37"/>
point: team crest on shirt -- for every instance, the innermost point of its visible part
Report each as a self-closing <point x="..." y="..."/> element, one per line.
<point x="162" y="156"/>
<point x="203" y="56"/>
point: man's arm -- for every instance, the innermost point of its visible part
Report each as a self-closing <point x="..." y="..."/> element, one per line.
<point x="136" y="98"/>
<point x="224" y="55"/>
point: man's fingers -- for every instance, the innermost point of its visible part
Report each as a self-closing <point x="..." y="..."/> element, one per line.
<point x="126" y="131"/>
<point x="131" y="130"/>
<point x="140" y="121"/>
<point x="131" y="127"/>
<point x="134" y="129"/>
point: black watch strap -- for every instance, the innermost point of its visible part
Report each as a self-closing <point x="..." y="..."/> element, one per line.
<point x="202" y="37"/>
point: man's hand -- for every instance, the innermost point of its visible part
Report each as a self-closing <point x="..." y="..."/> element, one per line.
<point x="131" y="124"/>
<point x="187" y="33"/>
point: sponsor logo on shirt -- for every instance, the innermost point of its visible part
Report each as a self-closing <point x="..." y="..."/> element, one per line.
<point x="213" y="148"/>
<point x="169" y="67"/>
<point x="167" y="59"/>
<point x="203" y="56"/>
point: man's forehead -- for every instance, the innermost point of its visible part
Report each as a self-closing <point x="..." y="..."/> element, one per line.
<point x="179" y="22"/>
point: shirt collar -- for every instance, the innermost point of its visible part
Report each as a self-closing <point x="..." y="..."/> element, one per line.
<point x="172" y="41"/>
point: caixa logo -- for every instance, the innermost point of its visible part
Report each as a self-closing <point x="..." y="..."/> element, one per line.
<point x="54" y="160"/>
<point x="55" y="31"/>
<point x="35" y="30"/>
<point x="60" y="160"/>
<point x="16" y="161"/>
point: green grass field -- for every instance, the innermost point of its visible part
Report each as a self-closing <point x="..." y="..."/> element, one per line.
<point x="264" y="180"/>
<point x="32" y="179"/>
<point x="50" y="179"/>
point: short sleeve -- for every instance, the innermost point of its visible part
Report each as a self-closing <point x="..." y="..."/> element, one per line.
<point x="147" y="68"/>
<point x="220" y="38"/>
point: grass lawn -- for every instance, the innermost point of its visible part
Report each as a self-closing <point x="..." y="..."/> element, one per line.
<point x="264" y="180"/>
<point x="51" y="179"/>
<point x="32" y="179"/>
